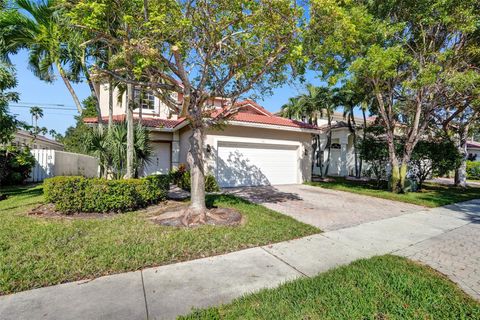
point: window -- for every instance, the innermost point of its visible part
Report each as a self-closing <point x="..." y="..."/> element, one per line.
<point x="145" y="99"/>
<point x="336" y="146"/>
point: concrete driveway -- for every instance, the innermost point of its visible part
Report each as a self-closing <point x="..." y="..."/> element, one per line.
<point x="324" y="208"/>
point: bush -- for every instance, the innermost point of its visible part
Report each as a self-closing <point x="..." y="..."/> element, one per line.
<point x="473" y="170"/>
<point x="79" y="194"/>
<point x="184" y="182"/>
<point x="15" y="165"/>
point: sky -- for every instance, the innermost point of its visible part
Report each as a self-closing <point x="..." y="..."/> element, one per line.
<point x="59" y="109"/>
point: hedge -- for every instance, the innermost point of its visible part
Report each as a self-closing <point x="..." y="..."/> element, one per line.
<point x="184" y="182"/>
<point x="78" y="194"/>
<point x="473" y="170"/>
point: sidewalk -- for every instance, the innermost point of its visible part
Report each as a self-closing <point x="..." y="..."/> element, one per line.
<point x="167" y="291"/>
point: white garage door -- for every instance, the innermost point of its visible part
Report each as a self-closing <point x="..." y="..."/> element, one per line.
<point x="248" y="164"/>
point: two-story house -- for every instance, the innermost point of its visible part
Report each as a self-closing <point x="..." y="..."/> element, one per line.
<point x="255" y="147"/>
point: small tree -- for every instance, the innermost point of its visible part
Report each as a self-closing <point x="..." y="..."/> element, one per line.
<point x="432" y="158"/>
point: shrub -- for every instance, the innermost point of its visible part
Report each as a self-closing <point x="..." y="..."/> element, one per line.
<point x="211" y="184"/>
<point x="15" y="165"/>
<point x="473" y="170"/>
<point x="79" y="194"/>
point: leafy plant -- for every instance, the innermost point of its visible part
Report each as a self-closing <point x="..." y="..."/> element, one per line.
<point x="211" y="184"/>
<point x="79" y="194"/>
<point x="473" y="170"/>
<point x="433" y="158"/>
<point x="110" y="148"/>
<point x="15" y="165"/>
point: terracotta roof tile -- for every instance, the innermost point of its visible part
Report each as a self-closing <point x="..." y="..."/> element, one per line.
<point x="146" y="121"/>
<point x="473" y="144"/>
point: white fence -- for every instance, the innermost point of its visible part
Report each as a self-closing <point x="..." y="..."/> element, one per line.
<point x="51" y="163"/>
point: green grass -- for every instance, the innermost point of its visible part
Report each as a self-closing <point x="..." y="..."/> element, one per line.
<point x="432" y="195"/>
<point x="385" y="287"/>
<point x="36" y="252"/>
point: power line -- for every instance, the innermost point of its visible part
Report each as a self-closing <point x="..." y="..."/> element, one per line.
<point x="47" y="104"/>
<point x="48" y="108"/>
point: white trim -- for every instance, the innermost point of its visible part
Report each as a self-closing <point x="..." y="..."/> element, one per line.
<point x="256" y="108"/>
<point x="272" y="126"/>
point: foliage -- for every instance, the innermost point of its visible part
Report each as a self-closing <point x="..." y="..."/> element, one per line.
<point x="15" y="165"/>
<point x="433" y="158"/>
<point x="183" y="182"/>
<point x="414" y="56"/>
<point x="383" y="287"/>
<point x="78" y="194"/>
<point x="199" y="49"/>
<point x="38" y="26"/>
<point x="432" y="195"/>
<point x="177" y="174"/>
<point x="473" y="170"/>
<point x="38" y="252"/>
<point x="374" y="151"/>
<point x="8" y="123"/>
<point x="110" y="147"/>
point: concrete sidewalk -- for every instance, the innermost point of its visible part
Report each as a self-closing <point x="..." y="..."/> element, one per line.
<point x="168" y="291"/>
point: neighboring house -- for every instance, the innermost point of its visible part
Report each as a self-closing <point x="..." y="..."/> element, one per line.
<point x="473" y="150"/>
<point x="24" y="138"/>
<point x="255" y="147"/>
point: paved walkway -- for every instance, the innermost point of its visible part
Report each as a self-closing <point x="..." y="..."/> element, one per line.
<point x="324" y="208"/>
<point x="446" y="238"/>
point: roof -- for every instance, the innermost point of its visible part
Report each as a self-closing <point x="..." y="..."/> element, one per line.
<point x="249" y="111"/>
<point x="37" y="137"/>
<point x="473" y="144"/>
<point x="146" y="121"/>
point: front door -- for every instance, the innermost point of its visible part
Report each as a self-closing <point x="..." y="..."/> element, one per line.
<point x="160" y="159"/>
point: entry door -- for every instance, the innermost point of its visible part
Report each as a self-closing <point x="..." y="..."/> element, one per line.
<point x="250" y="164"/>
<point x="160" y="159"/>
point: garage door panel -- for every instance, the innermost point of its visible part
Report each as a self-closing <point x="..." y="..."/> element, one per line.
<point x="256" y="164"/>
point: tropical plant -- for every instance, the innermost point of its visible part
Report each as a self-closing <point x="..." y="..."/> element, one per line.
<point x="36" y="113"/>
<point x="37" y="27"/>
<point x="8" y="122"/>
<point x="15" y="165"/>
<point x="110" y="148"/>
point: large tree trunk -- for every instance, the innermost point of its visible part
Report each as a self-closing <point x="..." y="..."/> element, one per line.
<point x="64" y="77"/>
<point x="196" y="213"/>
<point x="461" y="171"/>
<point x="130" y="171"/>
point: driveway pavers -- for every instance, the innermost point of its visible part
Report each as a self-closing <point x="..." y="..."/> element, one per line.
<point x="324" y="208"/>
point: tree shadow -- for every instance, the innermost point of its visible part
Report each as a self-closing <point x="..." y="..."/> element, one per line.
<point x="264" y="194"/>
<point x="237" y="170"/>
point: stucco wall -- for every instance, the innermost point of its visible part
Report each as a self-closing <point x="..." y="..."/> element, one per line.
<point x="74" y="164"/>
<point x="254" y="135"/>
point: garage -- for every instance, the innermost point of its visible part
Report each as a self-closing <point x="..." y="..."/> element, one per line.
<point x="256" y="164"/>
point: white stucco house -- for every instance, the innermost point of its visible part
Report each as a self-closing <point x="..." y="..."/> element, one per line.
<point x="254" y="148"/>
<point x="473" y="150"/>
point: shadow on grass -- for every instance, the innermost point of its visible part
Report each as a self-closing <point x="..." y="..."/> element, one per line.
<point x="22" y="190"/>
<point x="227" y="199"/>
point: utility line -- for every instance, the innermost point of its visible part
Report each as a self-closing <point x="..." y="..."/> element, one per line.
<point x="49" y="108"/>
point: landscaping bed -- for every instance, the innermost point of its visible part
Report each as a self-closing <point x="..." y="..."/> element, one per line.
<point x="432" y="195"/>
<point x="37" y="252"/>
<point x="386" y="287"/>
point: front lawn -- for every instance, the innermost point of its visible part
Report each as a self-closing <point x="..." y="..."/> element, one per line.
<point x="432" y="195"/>
<point x="386" y="287"/>
<point x="37" y="252"/>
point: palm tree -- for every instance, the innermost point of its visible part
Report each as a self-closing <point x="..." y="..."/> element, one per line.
<point x="110" y="148"/>
<point x="36" y="26"/>
<point x="36" y="113"/>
